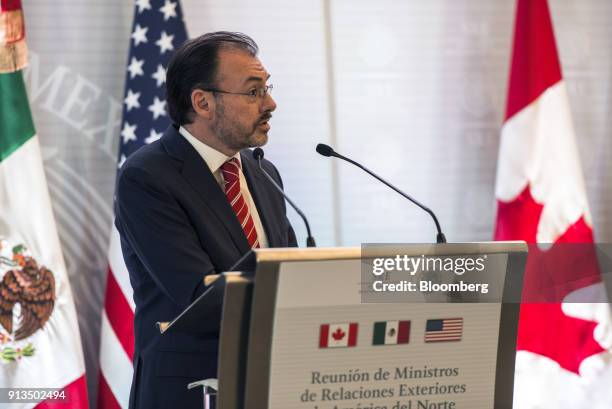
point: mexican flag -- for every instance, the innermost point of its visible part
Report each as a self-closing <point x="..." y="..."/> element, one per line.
<point x="40" y="346"/>
<point x="391" y="332"/>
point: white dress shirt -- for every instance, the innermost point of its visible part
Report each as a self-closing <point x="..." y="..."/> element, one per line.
<point x="214" y="159"/>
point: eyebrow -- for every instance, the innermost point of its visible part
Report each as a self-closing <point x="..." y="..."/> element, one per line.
<point x="255" y="78"/>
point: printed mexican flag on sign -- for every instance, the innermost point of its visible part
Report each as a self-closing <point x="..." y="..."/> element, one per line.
<point x="341" y="335"/>
<point x="40" y="345"/>
<point x="391" y="332"/>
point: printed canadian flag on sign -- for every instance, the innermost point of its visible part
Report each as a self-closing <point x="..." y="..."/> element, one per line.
<point x="564" y="357"/>
<point x="338" y="335"/>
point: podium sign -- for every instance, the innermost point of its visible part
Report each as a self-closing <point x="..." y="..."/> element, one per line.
<point x="310" y="331"/>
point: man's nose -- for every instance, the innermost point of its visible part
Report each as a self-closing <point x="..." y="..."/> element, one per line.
<point x="269" y="104"/>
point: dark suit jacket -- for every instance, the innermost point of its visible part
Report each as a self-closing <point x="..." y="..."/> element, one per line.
<point x="177" y="226"/>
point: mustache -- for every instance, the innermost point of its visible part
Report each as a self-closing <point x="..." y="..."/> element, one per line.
<point x="265" y="117"/>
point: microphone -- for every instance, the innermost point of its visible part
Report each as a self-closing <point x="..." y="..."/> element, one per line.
<point x="258" y="155"/>
<point x="328" y="151"/>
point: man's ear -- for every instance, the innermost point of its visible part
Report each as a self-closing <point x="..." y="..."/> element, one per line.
<point x="202" y="103"/>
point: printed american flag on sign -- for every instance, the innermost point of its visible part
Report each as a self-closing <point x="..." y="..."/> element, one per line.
<point x="157" y="30"/>
<point x="443" y="330"/>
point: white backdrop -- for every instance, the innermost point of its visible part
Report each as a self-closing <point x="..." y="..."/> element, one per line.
<point x="414" y="89"/>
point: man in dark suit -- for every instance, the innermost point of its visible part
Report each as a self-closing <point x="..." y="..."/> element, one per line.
<point x="191" y="204"/>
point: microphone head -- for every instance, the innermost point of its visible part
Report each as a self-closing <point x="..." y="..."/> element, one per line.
<point x="325" y="150"/>
<point x="258" y="154"/>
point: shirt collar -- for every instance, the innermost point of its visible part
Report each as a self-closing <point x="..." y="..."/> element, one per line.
<point x="213" y="158"/>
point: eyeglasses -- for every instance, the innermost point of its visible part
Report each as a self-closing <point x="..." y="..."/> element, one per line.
<point x="255" y="93"/>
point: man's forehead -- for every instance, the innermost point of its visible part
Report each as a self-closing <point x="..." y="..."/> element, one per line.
<point x="242" y="66"/>
<point x="256" y="68"/>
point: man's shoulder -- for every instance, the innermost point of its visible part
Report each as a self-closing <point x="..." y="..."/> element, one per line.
<point x="149" y="169"/>
<point x="147" y="157"/>
<point x="153" y="158"/>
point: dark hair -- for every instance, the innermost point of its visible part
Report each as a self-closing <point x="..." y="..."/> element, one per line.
<point x="194" y="65"/>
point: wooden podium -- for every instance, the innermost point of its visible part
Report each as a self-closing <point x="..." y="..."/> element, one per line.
<point x="307" y="328"/>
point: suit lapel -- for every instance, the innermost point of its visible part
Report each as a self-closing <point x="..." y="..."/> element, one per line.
<point x="197" y="174"/>
<point x="258" y="186"/>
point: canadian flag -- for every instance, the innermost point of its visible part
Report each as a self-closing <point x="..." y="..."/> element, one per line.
<point x="564" y="357"/>
<point x="341" y="335"/>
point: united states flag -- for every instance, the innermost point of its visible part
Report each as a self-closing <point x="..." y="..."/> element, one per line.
<point x="157" y="30"/>
<point x="441" y="330"/>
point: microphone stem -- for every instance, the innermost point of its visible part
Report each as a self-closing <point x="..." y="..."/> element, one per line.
<point x="440" y="238"/>
<point x="310" y="242"/>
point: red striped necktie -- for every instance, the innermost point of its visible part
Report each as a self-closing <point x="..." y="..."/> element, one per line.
<point x="231" y="177"/>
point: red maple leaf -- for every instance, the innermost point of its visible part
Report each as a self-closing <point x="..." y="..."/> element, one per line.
<point x="545" y="330"/>
<point x="518" y="219"/>
<point x="338" y="334"/>
<point x="550" y="275"/>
